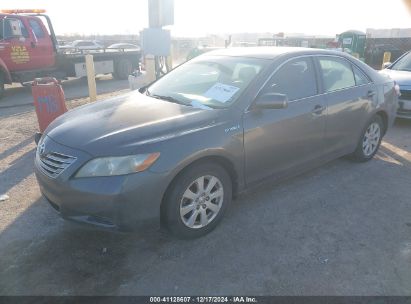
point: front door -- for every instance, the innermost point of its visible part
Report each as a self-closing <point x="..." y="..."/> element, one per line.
<point x="278" y="140"/>
<point x="41" y="47"/>
<point x="14" y="44"/>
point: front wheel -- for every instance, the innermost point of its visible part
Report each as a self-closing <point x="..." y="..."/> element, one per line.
<point x="197" y="200"/>
<point x="370" y="140"/>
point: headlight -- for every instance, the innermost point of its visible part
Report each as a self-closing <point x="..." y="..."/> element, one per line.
<point x="110" y="166"/>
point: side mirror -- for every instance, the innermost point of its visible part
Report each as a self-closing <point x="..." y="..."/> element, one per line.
<point x="271" y="101"/>
<point x="386" y="65"/>
<point x="143" y="89"/>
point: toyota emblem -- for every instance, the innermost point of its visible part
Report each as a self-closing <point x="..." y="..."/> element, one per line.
<point x="42" y="148"/>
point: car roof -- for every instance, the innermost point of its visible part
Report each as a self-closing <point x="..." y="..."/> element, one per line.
<point x="269" y="52"/>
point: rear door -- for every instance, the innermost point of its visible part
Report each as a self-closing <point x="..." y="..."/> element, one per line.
<point x="278" y="140"/>
<point x="349" y="93"/>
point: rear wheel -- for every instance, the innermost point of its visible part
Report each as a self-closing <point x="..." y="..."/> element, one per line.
<point x="197" y="200"/>
<point x="122" y="69"/>
<point x="370" y="140"/>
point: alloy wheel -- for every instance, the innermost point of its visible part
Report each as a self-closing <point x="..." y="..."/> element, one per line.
<point x="201" y="202"/>
<point x="371" y="139"/>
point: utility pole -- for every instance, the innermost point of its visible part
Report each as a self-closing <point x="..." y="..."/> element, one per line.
<point x="156" y="41"/>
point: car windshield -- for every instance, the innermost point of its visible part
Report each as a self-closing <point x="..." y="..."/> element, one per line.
<point x="208" y="81"/>
<point x="403" y="64"/>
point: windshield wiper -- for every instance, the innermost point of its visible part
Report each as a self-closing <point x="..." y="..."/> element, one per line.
<point x="168" y="98"/>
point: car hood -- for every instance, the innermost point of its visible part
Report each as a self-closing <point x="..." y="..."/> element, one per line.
<point x="123" y="124"/>
<point x="403" y="78"/>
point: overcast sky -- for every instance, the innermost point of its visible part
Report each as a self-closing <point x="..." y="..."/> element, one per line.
<point x="200" y="17"/>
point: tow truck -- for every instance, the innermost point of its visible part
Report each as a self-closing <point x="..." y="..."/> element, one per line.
<point x="29" y="49"/>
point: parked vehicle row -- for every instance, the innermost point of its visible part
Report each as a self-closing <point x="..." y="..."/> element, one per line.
<point x="94" y="45"/>
<point x="82" y="45"/>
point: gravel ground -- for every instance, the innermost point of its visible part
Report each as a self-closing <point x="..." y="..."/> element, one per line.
<point x="342" y="229"/>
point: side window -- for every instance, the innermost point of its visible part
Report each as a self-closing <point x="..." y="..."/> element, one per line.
<point x="24" y="31"/>
<point x="360" y="78"/>
<point x="14" y="28"/>
<point x="37" y="28"/>
<point x="296" y="79"/>
<point x="337" y="74"/>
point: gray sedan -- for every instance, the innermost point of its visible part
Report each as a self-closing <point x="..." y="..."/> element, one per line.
<point x="180" y="149"/>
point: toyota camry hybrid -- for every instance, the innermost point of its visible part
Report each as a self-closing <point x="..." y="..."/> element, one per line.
<point x="181" y="148"/>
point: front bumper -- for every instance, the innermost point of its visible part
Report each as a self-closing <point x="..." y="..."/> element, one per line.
<point x="117" y="202"/>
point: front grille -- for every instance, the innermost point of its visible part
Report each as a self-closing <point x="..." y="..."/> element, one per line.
<point x="406" y="95"/>
<point x="53" y="163"/>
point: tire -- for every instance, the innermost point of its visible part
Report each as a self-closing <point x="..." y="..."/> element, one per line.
<point x="2" y="89"/>
<point x="192" y="217"/>
<point x="122" y="69"/>
<point x="370" y="140"/>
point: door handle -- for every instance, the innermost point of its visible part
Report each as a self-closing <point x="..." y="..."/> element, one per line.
<point x="318" y="110"/>
<point x="371" y="94"/>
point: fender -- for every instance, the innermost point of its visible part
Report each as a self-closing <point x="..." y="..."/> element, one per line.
<point x="234" y="163"/>
<point x="5" y="70"/>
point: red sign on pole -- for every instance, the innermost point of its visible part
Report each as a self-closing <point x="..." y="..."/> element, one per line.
<point x="49" y="101"/>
